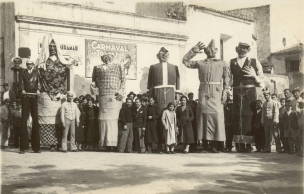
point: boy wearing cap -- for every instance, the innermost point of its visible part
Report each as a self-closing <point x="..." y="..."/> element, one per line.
<point x="245" y="75"/>
<point x="270" y="118"/>
<point x="282" y="111"/>
<point x="213" y="73"/>
<point x="257" y="128"/>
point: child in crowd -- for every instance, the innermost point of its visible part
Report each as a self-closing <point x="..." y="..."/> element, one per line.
<point x="257" y="128"/>
<point x="16" y="119"/>
<point x="291" y="127"/>
<point x="283" y="139"/>
<point x="90" y="128"/>
<point x="79" y="134"/>
<point x="5" y="111"/>
<point x="170" y="126"/>
<point x="301" y="127"/>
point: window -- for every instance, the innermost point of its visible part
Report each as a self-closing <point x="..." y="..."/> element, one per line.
<point x="293" y="66"/>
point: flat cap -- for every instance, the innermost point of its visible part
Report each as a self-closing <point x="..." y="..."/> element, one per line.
<point x="243" y="44"/>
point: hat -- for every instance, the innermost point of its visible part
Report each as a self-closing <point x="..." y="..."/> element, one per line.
<point x="243" y="44"/>
<point x="5" y="84"/>
<point x="108" y="54"/>
<point x="211" y="44"/>
<point x="131" y="93"/>
<point x="163" y="50"/>
<point x="28" y="61"/>
<point x="296" y="89"/>
<point x="266" y="91"/>
<point x="52" y="42"/>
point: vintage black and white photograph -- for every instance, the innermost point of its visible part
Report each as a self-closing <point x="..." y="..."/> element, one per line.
<point x="152" y="96"/>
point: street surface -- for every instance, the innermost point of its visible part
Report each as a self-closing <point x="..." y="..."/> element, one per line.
<point x="102" y="172"/>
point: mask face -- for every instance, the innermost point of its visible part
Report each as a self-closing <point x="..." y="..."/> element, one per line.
<point x="242" y="51"/>
<point x="163" y="56"/>
<point x="52" y="48"/>
<point x="210" y="52"/>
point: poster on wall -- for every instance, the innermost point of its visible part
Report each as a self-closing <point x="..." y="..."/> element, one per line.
<point x="66" y="49"/>
<point x="124" y="54"/>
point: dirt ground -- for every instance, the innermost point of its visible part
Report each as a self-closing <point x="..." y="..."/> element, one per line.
<point x="102" y="172"/>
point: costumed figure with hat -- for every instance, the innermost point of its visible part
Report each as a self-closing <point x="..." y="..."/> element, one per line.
<point x="30" y="86"/>
<point x="53" y="70"/>
<point x="246" y="74"/>
<point x="163" y="82"/>
<point x="213" y="77"/>
<point x="110" y="80"/>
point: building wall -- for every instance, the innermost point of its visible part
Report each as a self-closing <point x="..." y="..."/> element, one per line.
<point x="149" y="34"/>
<point x="261" y="18"/>
<point x="204" y="26"/>
<point x="296" y="79"/>
<point x="7" y="42"/>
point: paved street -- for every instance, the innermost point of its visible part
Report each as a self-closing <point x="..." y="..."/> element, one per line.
<point x="100" y="172"/>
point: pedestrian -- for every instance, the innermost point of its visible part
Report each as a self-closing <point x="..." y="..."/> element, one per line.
<point x="10" y="94"/>
<point x="283" y="139"/>
<point x="17" y="121"/>
<point x="90" y="127"/>
<point x="29" y="81"/>
<point x="270" y="118"/>
<point x="288" y="95"/>
<point x="297" y="98"/>
<point x="291" y="127"/>
<point x="169" y="121"/>
<point x="301" y="127"/>
<point x="193" y="105"/>
<point x="257" y="127"/>
<point x="5" y="111"/>
<point x="69" y="117"/>
<point x="185" y="116"/>
<point x="153" y="115"/>
<point x="139" y="126"/>
<point x="126" y="127"/>
<point x="79" y="132"/>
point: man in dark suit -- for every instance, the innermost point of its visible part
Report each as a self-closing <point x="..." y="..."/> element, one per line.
<point x="29" y="80"/>
<point x="10" y="94"/>
<point x="139" y="125"/>
<point x="163" y="83"/>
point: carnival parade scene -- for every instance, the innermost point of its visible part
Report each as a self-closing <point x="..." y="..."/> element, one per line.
<point x="152" y="96"/>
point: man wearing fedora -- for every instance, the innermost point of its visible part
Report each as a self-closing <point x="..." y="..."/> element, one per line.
<point x="245" y="75"/>
<point x="30" y="86"/>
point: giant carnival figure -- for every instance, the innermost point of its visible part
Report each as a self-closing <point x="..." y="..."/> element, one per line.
<point x="53" y="71"/>
<point x="163" y="83"/>
<point x="109" y="78"/>
<point x="246" y="74"/>
<point x="213" y="76"/>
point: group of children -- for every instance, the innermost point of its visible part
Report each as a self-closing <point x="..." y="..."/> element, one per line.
<point x="279" y="122"/>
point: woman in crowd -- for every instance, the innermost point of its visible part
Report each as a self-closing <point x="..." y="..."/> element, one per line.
<point x="170" y="128"/>
<point x="185" y="116"/>
<point x="79" y="134"/>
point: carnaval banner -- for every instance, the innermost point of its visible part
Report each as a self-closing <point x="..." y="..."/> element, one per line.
<point x="124" y="54"/>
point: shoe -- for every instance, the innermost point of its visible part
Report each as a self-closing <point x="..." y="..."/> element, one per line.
<point x="185" y="152"/>
<point x="223" y="150"/>
<point x="172" y="152"/>
<point x="213" y="150"/>
<point x="266" y="151"/>
<point x="53" y="149"/>
<point x="2" y="147"/>
<point x="74" y="151"/>
<point x="281" y="152"/>
<point x="160" y="152"/>
<point x="258" y="150"/>
<point x="168" y="152"/>
<point x="64" y="151"/>
<point x="37" y="151"/>
<point x="21" y="152"/>
<point x="248" y="151"/>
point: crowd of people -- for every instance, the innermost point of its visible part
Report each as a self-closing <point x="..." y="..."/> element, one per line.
<point x="144" y="127"/>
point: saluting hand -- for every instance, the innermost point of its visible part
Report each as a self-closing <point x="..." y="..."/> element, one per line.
<point x="198" y="47"/>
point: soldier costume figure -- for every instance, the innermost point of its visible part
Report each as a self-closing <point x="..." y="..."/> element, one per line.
<point x="210" y="111"/>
